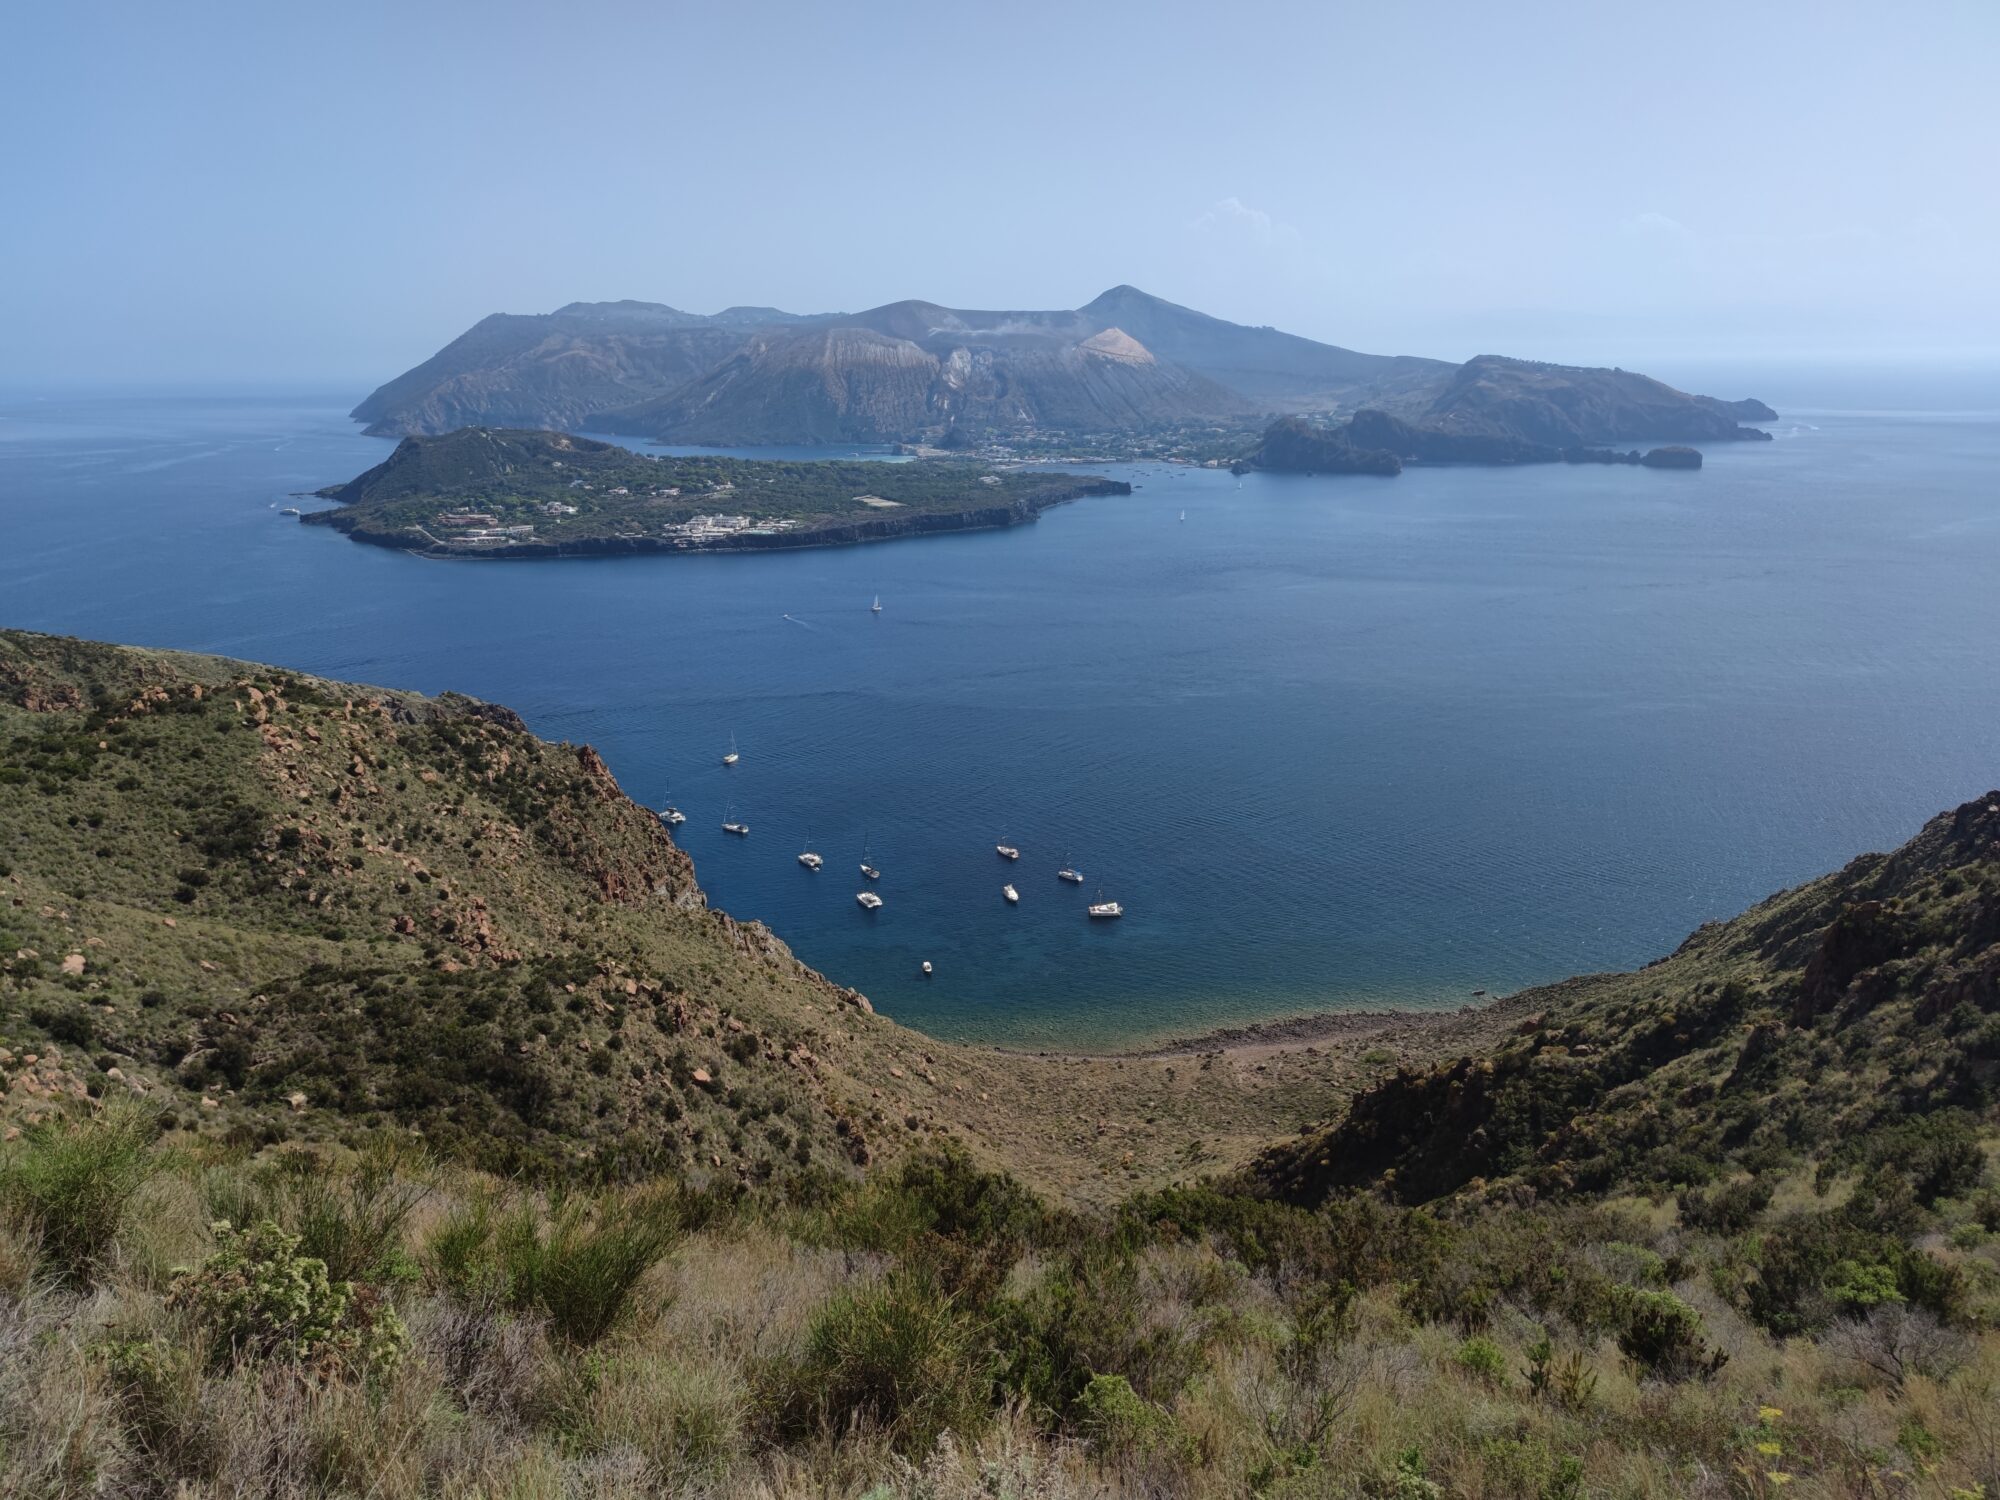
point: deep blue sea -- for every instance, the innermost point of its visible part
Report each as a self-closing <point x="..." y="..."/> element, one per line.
<point x="1333" y="742"/>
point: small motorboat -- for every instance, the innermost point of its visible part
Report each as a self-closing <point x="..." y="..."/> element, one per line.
<point x="1102" y="908"/>
<point x="1010" y="893"/>
<point x="869" y="900"/>
<point x="927" y="968"/>
<point x="1006" y="851"/>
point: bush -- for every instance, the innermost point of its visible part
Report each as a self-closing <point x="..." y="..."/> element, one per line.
<point x="1727" y="1208"/>
<point x="353" y="1220"/>
<point x="1087" y="1316"/>
<point x="898" y="1356"/>
<point x="258" y="1298"/>
<point x="1662" y="1336"/>
<point x="577" y="1264"/>
<point x="1123" y="1426"/>
<point x="72" y="1181"/>
<point x="1481" y="1358"/>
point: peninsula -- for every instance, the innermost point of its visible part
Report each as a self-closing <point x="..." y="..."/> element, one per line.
<point x="499" y="493"/>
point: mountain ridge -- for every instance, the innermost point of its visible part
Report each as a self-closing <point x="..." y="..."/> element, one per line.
<point x="919" y="371"/>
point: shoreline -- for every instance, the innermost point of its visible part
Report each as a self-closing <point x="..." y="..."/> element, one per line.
<point x="1281" y="1032"/>
<point x="858" y="531"/>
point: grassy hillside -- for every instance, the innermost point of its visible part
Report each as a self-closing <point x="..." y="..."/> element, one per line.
<point x="386" y="1114"/>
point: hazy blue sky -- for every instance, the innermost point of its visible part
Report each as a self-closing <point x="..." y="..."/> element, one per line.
<point x="310" y="190"/>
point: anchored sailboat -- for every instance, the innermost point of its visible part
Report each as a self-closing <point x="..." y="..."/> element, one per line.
<point x="731" y="758"/>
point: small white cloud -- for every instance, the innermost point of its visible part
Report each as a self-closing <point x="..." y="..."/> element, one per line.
<point x="1658" y="224"/>
<point x="1234" y="216"/>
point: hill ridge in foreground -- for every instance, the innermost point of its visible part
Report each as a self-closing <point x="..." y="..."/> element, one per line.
<point x="285" y="908"/>
<point x="387" y="1114"/>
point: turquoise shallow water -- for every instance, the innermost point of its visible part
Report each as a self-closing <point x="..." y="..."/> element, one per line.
<point x="1333" y="742"/>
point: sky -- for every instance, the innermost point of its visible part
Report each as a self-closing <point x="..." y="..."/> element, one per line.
<point x="312" y="192"/>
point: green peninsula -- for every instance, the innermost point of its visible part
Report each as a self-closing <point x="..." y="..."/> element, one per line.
<point x="507" y="493"/>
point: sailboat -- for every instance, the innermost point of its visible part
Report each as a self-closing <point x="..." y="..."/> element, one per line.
<point x="1006" y="851"/>
<point x="1102" y="908"/>
<point x="1183" y="515"/>
<point x="809" y="859"/>
<point x="1069" y="872"/>
<point x="876" y="607"/>
<point x="729" y="823"/>
<point x="869" y="900"/>
<point x="731" y="758"/>
<point x="868" y="870"/>
<point x="672" y="816"/>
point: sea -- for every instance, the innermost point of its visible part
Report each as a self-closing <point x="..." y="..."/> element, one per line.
<point x="1333" y="743"/>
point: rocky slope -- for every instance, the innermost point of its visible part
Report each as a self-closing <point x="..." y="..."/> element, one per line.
<point x="855" y="383"/>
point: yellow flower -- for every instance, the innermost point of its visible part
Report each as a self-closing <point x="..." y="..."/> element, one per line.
<point x="1768" y="1414"/>
<point x="1770" y="1450"/>
<point x="1777" y="1478"/>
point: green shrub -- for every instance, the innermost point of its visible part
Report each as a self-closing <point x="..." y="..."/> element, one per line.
<point x="1123" y="1425"/>
<point x="1481" y="1357"/>
<point x="353" y="1219"/>
<point x="577" y="1263"/>
<point x="258" y="1298"/>
<point x="72" y="1181"/>
<point x="1086" y="1316"/>
<point x="898" y="1356"/>
<point x="1726" y="1208"/>
<point x="1661" y="1335"/>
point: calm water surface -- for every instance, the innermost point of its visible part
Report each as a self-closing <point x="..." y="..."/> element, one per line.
<point x="1333" y="742"/>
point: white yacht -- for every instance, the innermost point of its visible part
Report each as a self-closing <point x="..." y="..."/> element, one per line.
<point x="732" y="757"/>
<point x="810" y="860"/>
<point x="730" y="825"/>
<point x="869" y="900"/>
<point x="1070" y="872"/>
<point x="876" y="607"/>
<point x="1102" y="908"/>
<point x="1010" y="893"/>
<point x="672" y="815"/>
<point x="1006" y="851"/>
<point x="868" y="871"/>
<point x="927" y="968"/>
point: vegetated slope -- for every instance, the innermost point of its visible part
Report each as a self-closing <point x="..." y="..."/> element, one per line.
<point x="556" y="495"/>
<point x="225" y="885"/>
<point x="1827" y="1026"/>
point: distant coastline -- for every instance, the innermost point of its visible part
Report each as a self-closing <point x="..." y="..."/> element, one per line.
<point x="518" y="495"/>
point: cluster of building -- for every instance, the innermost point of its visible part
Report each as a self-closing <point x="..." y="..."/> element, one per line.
<point x="721" y="528"/>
